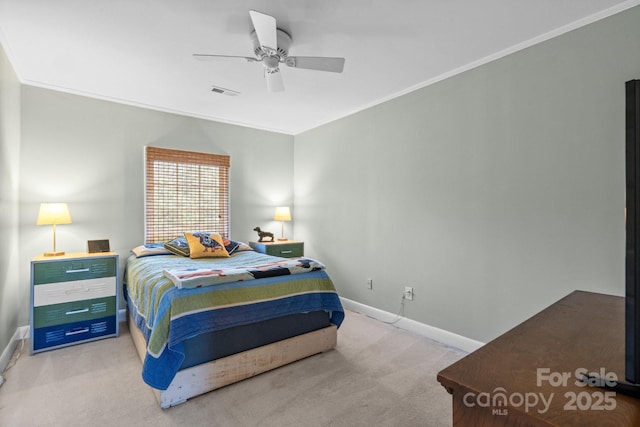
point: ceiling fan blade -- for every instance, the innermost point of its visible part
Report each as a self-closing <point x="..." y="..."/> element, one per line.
<point x="265" y="26"/>
<point x="334" y="65"/>
<point x="207" y="57"/>
<point x="274" y="80"/>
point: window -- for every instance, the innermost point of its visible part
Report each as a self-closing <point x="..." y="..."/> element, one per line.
<point x="185" y="191"/>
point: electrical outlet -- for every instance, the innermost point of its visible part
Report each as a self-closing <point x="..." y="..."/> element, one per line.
<point x="369" y="283"/>
<point x="408" y="293"/>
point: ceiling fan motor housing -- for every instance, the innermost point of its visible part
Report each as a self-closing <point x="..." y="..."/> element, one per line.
<point x="283" y="40"/>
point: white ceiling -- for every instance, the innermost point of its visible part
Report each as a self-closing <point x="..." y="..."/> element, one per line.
<point x="139" y="52"/>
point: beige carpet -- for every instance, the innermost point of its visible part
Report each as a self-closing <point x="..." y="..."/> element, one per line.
<point x="378" y="375"/>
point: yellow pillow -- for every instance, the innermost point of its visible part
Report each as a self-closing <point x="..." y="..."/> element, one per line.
<point x="203" y="245"/>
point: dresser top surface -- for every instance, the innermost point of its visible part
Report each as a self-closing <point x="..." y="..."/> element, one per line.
<point x="73" y="255"/>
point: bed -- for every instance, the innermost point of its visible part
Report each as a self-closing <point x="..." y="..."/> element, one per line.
<point x="201" y="324"/>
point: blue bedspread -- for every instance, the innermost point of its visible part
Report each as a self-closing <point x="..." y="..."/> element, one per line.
<point x="167" y="315"/>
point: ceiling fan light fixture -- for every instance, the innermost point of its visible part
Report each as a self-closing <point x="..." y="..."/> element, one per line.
<point x="271" y="63"/>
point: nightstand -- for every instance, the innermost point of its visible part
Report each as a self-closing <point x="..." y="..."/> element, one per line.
<point x="74" y="299"/>
<point x="285" y="249"/>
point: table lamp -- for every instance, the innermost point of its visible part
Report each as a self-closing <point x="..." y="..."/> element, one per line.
<point x="53" y="214"/>
<point x="282" y="214"/>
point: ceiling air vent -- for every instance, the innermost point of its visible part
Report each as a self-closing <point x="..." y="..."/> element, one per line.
<point x="223" y="91"/>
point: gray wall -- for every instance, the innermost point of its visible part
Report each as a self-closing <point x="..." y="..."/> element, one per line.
<point x="493" y="193"/>
<point x="89" y="153"/>
<point x="9" y="161"/>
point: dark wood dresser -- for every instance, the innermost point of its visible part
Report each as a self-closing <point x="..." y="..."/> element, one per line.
<point x="529" y="375"/>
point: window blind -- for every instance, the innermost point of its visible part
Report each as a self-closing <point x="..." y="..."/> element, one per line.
<point x="185" y="191"/>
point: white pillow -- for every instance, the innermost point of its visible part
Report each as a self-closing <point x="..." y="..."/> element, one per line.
<point x="150" y="249"/>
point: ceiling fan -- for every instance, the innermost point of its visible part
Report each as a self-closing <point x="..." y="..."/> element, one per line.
<point x="271" y="47"/>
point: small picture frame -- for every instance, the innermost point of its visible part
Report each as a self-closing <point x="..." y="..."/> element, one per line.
<point x="96" y="246"/>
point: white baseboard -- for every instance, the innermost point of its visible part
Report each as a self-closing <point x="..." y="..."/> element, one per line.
<point x="21" y="332"/>
<point x="445" y="337"/>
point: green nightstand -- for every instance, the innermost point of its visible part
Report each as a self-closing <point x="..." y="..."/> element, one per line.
<point x="285" y="249"/>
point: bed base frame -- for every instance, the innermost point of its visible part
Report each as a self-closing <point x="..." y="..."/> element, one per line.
<point x="212" y="375"/>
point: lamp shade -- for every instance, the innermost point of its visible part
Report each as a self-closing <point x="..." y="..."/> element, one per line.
<point x="282" y="214"/>
<point x="53" y="213"/>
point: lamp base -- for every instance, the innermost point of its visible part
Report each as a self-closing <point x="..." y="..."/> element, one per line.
<point x="282" y="239"/>
<point x="53" y="253"/>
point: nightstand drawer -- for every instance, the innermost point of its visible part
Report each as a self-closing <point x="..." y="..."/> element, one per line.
<point x="73" y="269"/>
<point x="53" y="336"/>
<point x="289" y="249"/>
<point x="72" y="312"/>
<point x="56" y="293"/>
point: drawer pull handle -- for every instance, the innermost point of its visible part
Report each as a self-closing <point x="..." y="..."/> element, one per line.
<point x="79" y="270"/>
<point x="74" y="291"/>
<point x="82" y="310"/>
<point x="77" y="331"/>
<point x="286" y="252"/>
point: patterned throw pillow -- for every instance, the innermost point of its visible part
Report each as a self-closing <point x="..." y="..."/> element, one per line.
<point x="178" y="246"/>
<point x="205" y="244"/>
<point x="230" y="245"/>
<point x="244" y="247"/>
